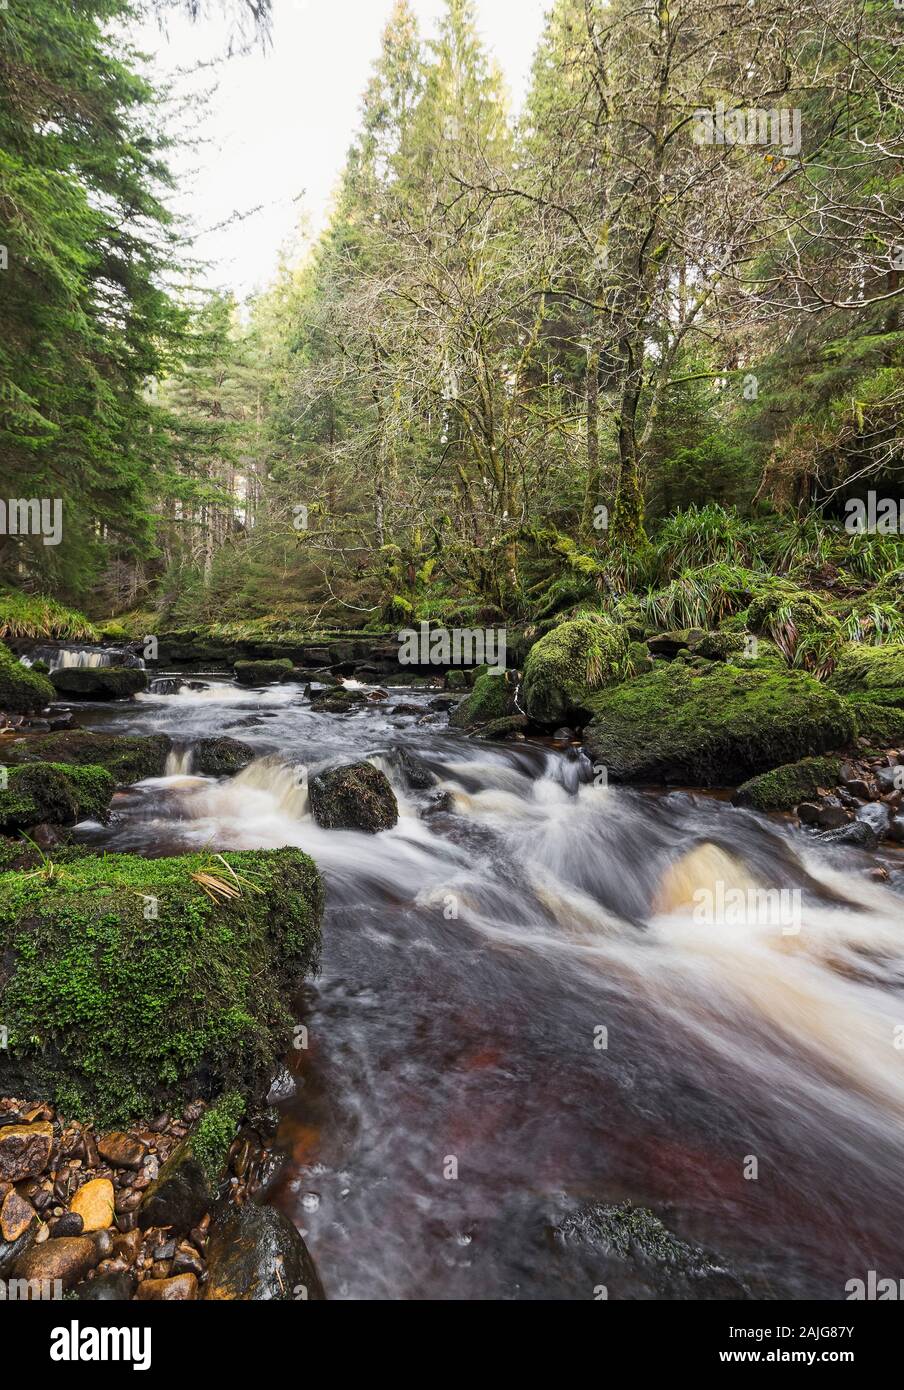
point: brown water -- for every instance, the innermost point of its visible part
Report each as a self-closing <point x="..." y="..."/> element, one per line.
<point x="471" y="957"/>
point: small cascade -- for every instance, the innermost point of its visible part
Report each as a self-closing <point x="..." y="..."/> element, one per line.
<point x="61" y="658"/>
<point x="179" y="761"/>
<point x="285" y="783"/>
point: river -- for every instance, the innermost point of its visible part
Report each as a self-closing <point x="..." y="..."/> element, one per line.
<point x="518" y="1013"/>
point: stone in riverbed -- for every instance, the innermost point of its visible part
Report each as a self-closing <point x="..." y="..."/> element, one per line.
<point x="221" y="757"/>
<point x="177" y="1289"/>
<point x="11" y="1251"/>
<point x="93" y="1202"/>
<point x="24" y="1150"/>
<point x="69" y="1224"/>
<point x="356" y="797"/>
<point x="67" y="1258"/>
<point x="107" y="1288"/>
<point x="787" y="786"/>
<point x="130" y="758"/>
<point x="122" y="1150"/>
<point x="856" y="835"/>
<point x="262" y="672"/>
<point x="99" y="682"/>
<point x="255" y="1253"/>
<point x="16" y="1216"/>
<point x="877" y="816"/>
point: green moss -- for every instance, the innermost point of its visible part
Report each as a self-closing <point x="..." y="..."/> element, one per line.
<point x="721" y="646"/>
<point x="214" y="1133"/>
<point x="128" y="758"/>
<point x="55" y="793"/>
<point x="799" y="623"/>
<point x="871" y="673"/>
<point x="491" y="699"/>
<point x="262" y="672"/>
<point x="568" y="664"/>
<point x="713" y="727"/>
<point x="127" y="988"/>
<point x="458" y="679"/>
<point x="22" y="691"/>
<point x="883" y="725"/>
<point x="100" y="682"/>
<point x="785" y="787"/>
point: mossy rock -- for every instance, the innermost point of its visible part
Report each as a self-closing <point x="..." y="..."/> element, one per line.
<point x="872" y="674"/>
<point x="785" y="787"/>
<point x="128" y="988"/>
<point x="356" y="797"/>
<point x="721" y="646"/>
<point x="54" y="793"/>
<point x="492" y="698"/>
<point x="715" y="727"/>
<point x="187" y="1184"/>
<point x="883" y="725"/>
<point x="130" y="758"/>
<point x="221" y="757"/>
<point x="99" y="682"/>
<point x="22" y="691"/>
<point x="566" y="666"/>
<point x="262" y="672"/>
<point x="460" y="678"/>
<point x="799" y="623"/>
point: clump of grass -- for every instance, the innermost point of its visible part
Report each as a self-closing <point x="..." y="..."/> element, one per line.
<point x="35" y="617"/>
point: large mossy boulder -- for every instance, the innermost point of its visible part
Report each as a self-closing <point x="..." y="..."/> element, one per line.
<point x="22" y="691"/>
<point x="221" y="757"/>
<point x="130" y="985"/>
<point x="786" y="787"/>
<point x="492" y="698"/>
<point x="716" y="726"/>
<point x="262" y="672"/>
<point x="130" y="758"/>
<point x="566" y="666"/>
<point x="356" y="797"/>
<point x="873" y="675"/>
<point x="99" y="682"/>
<point x="54" y="793"/>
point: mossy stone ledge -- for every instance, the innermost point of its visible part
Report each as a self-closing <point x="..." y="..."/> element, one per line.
<point x="713" y="727"/>
<point x="22" y="691"/>
<point x="99" y="682"/>
<point x="131" y="985"/>
<point x="262" y="672"/>
<point x="130" y="758"/>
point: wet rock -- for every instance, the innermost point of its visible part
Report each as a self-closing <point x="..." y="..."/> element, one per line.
<point x="439" y="802"/>
<point x="889" y="779"/>
<point x="11" y="1251"/>
<point x="93" y="1202"/>
<point x="221" y="757"/>
<point x="67" y="1258"/>
<point x="825" y="815"/>
<point x="122" y="1150"/>
<point x="282" y="1088"/>
<point x="16" y="1216"/>
<point x="69" y="1224"/>
<point x="857" y="835"/>
<point x="107" y="1288"/>
<point x="255" y="1253"/>
<point x="186" y="1260"/>
<point x="405" y="708"/>
<point x="262" y="672"/>
<point x="896" y="830"/>
<point x="24" y="1150"/>
<point x="511" y="727"/>
<point x="99" y="682"/>
<point x="629" y="1251"/>
<point x="356" y="797"/>
<point x="787" y="786"/>
<point x="180" y="1196"/>
<point x="877" y="816"/>
<point x="178" y="1288"/>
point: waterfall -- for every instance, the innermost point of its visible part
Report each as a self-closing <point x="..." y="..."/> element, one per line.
<point x="62" y="658"/>
<point x="178" y="762"/>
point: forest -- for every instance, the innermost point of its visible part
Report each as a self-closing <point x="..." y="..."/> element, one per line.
<point x="514" y="583"/>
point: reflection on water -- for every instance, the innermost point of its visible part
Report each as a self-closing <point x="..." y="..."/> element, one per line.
<point x="516" y="978"/>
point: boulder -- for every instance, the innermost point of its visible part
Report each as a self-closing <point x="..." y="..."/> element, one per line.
<point x="186" y="1185"/>
<point x="221" y="757"/>
<point x="356" y="797"/>
<point x="255" y="1253"/>
<point x="877" y="816"/>
<point x="129" y="758"/>
<point x="785" y="787"/>
<point x="176" y="1289"/>
<point x="262" y="672"/>
<point x="718" y="726"/>
<point x="66" y="1258"/>
<point x="22" y="691"/>
<point x="115" y="1014"/>
<point x="875" y="675"/>
<point x="857" y="834"/>
<point x="566" y="666"/>
<point x="54" y="794"/>
<point x="493" y="697"/>
<point x="99" y="682"/>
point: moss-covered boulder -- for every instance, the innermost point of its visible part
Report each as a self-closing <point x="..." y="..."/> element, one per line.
<point x="54" y="793"/>
<point x="99" y="682"/>
<point x="799" y="623"/>
<point x="356" y="797"/>
<point x="221" y="757"/>
<point x="872" y="674"/>
<point x="492" y="698"/>
<point x="786" y="787"/>
<point x="566" y="666"/>
<point x="883" y="725"/>
<point x="713" y="727"/>
<point x="131" y="985"/>
<point x="22" y="691"/>
<point x="130" y="758"/>
<point x="262" y="672"/>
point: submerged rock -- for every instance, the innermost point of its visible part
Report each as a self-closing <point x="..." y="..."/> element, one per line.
<point x="630" y="1252"/>
<point x="255" y="1253"/>
<point x="356" y="797"/>
<point x="715" y="727"/>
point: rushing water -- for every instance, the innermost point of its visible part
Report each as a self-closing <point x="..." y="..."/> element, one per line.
<point x="472" y="957"/>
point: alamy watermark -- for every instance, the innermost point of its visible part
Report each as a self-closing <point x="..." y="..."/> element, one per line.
<point x="757" y="125"/>
<point x="33" y="516"/>
<point x="457" y="646"/>
<point x="776" y="908"/>
<point x="874" y="515"/>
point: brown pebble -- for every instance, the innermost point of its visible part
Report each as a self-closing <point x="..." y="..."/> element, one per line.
<point x="67" y="1259"/>
<point x="180" y="1286"/>
<point x="16" y="1215"/>
<point x="122" y="1150"/>
<point x="25" y="1150"/>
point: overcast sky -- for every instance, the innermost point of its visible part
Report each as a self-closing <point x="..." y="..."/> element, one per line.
<point x="281" y="121"/>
